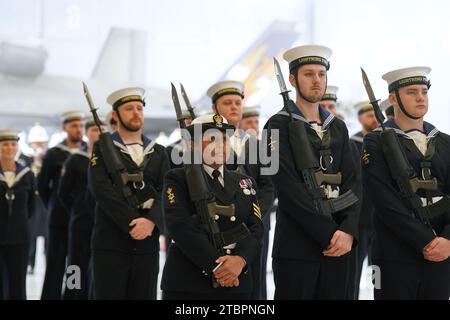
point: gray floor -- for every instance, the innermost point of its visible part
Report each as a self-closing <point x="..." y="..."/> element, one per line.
<point x="34" y="282"/>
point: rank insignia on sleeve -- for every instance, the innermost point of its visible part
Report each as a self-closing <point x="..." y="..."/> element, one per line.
<point x="94" y="160"/>
<point x="256" y="211"/>
<point x="170" y="195"/>
<point x="366" y="157"/>
<point x="272" y="144"/>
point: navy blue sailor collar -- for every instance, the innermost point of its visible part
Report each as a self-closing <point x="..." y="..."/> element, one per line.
<point x="63" y="146"/>
<point x="21" y="171"/>
<point x="147" y="146"/>
<point x="83" y="151"/>
<point x="326" y="117"/>
<point x="429" y="130"/>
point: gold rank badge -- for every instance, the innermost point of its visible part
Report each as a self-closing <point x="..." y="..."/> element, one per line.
<point x="366" y="157"/>
<point x="257" y="211"/>
<point x="170" y="195"/>
<point x="94" y="160"/>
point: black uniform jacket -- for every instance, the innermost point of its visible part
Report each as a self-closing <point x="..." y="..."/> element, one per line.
<point x="300" y="232"/>
<point x="73" y="188"/>
<point x="48" y="183"/>
<point x="252" y="168"/>
<point x="112" y="213"/>
<point x="398" y="235"/>
<point x="14" y="228"/>
<point x="366" y="213"/>
<point x="191" y="257"/>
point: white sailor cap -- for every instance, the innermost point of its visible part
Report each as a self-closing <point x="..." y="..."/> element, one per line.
<point x="210" y="121"/>
<point x="222" y="88"/>
<point x="8" y="134"/>
<point x="119" y="97"/>
<point x="407" y="77"/>
<point x="331" y="93"/>
<point x="363" y="107"/>
<point x="251" y="111"/>
<point x="37" y="134"/>
<point x="309" y="54"/>
<point x="70" y="116"/>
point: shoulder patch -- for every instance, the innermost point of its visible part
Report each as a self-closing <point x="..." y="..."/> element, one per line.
<point x="170" y="195"/>
<point x="63" y="171"/>
<point x="94" y="160"/>
<point x="366" y="157"/>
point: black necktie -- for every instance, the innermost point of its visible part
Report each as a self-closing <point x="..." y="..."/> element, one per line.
<point x="216" y="182"/>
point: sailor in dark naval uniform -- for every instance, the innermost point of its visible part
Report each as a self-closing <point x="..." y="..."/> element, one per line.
<point x="48" y="182"/>
<point x="411" y="244"/>
<point x="312" y="236"/>
<point x="227" y="100"/>
<point x="366" y="117"/>
<point x="250" y="125"/>
<point x="193" y="262"/>
<point x="329" y="99"/>
<point x="72" y="192"/>
<point x="125" y="239"/>
<point x="38" y="141"/>
<point x="17" y="198"/>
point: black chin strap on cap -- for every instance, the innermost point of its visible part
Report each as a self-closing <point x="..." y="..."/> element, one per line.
<point x="395" y="86"/>
<point x="297" y="86"/>
<point x="123" y="124"/>
<point x="400" y="104"/>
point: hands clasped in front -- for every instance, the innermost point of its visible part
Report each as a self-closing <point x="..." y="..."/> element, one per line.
<point x="227" y="274"/>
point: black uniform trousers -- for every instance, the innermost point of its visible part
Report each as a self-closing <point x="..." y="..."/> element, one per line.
<point x="311" y="280"/>
<point x="13" y="270"/>
<point x="413" y="281"/>
<point x="80" y="255"/>
<point x="123" y="276"/>
<point x="56" y="263"/>
<point x="264" y="252"/>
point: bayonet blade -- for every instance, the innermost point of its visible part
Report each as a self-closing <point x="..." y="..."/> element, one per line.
<point x="87" y="94"/>
<point x="373" y="101"/>
<point x="279" y="76"/>
<point x="176" y="103"/>
<point x="187" y="102"/>
<point x="367" y="85"/>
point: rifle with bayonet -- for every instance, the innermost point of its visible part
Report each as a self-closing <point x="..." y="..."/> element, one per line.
<point x="114" y="166"/>
<point x="401" y="170"/>
<point x="204" y="201"/>
<point x="187" y="102"/>
<point x="306" y="162"/>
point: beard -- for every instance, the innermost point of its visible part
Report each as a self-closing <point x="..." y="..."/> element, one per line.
<point x="75" y="138"/>
<point x="132" y="126"/>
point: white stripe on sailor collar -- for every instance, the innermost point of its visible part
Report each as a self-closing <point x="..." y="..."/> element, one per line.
<point x="18" y="176"/>
<point x="325" y="124"/>
<point x="149" y="149"/>
<point x="357" y="139"/>
<point x="22" y="173"/>
<point x="328" y="121"/>
<point x="121" y="147"/>
<point x="433" y="133"/>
